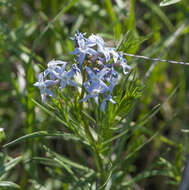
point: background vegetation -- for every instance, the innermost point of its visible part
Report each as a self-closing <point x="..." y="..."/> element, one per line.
<point x="33" y="32"/>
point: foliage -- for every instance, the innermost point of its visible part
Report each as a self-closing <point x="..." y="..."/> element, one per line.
<point x="140" y="142"/>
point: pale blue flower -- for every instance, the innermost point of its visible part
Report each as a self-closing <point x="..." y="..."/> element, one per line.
<point x="94" y="89"/>
<point x="114" y="54"/>
<point x="108" y="53"/>
<point x="42" y="85"/>
<point x="53" y="66"/>
<point x="78" y="36"/>
<point x="95" y="85"/>
<point x="108" y="73"/>
<point x="101" y="77"/>
<point x="113" y="79"/>
<point x="123" y="63"/>
<point x="94" y="40"/>
<point x="98" y="76"/>
<point x="105" y="51"/>
<point x="65" y="76"/>
<point x="82" y="49"/>
<point x="104" y="102"/>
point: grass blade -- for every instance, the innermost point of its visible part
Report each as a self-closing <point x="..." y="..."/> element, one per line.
<point x="8" y="166"/>
<point x="9" y="184"/>
<point x="65" y="136"/>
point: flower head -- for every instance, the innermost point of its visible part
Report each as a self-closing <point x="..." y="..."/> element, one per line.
<point x="100" y="63"/>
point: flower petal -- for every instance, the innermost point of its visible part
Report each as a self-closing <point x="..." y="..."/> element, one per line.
<point x="63" y="84"/>
<point x="90" y="72"/>
<point x="40" y="77"/>
<point x="49" y="92"/>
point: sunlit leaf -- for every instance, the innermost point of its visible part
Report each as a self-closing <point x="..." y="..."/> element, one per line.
<point x="168" y="2"/>
<point x="9" y="184"/>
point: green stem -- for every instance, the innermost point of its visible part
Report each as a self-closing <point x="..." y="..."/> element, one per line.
<point x="92" y="142"/>
<point x="97" y="158"/>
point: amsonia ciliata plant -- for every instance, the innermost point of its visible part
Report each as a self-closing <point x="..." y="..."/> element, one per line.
<point x="92" y="98"/>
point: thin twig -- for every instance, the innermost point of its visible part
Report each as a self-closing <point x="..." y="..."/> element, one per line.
<point x="156" y="59"/>
<point x="169" y="43"/>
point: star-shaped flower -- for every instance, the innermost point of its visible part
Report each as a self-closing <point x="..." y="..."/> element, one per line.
<point x="82" y="50"/>
<point x="42" y="85"/>
<point x="94" y="40"/>
<point x="65" y="76"/>
<point x="95" y="85"/>
<point x="97" y="78"/>
<point x="123" y="63"/>
<point x="94" y="89"/>
<point x="53" y="66"/>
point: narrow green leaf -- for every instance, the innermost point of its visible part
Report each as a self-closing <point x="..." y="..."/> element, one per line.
<point x="144" y="120"/>
<point x="50" y="24"/>
<point x="67" y="161"/>
<point x="147" y="174"/>
<point x="158" y="11"/>
<point x="8" y="166"/>
<point x="131" y="24"/>
<point x="113" y="17"/>
<point x="67" y="168"/>
<point x="140" y="147"/>
<point x="9" y="184"/>
<point x="45" y="161"/>
<point x="168" y="2"/>
<point x="37" y="185"/>
<point x="50" y="113"/>
<point x="32" y="135"/>
<point x="65" y="136"/>
<point x="185" y="130"/>
<point x="88" y="116"/>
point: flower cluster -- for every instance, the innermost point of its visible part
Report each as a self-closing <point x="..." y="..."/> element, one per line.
<point x="95" y="60"/>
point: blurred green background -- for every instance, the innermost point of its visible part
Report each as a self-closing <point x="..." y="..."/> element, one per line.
<point x="33" y="32"/>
